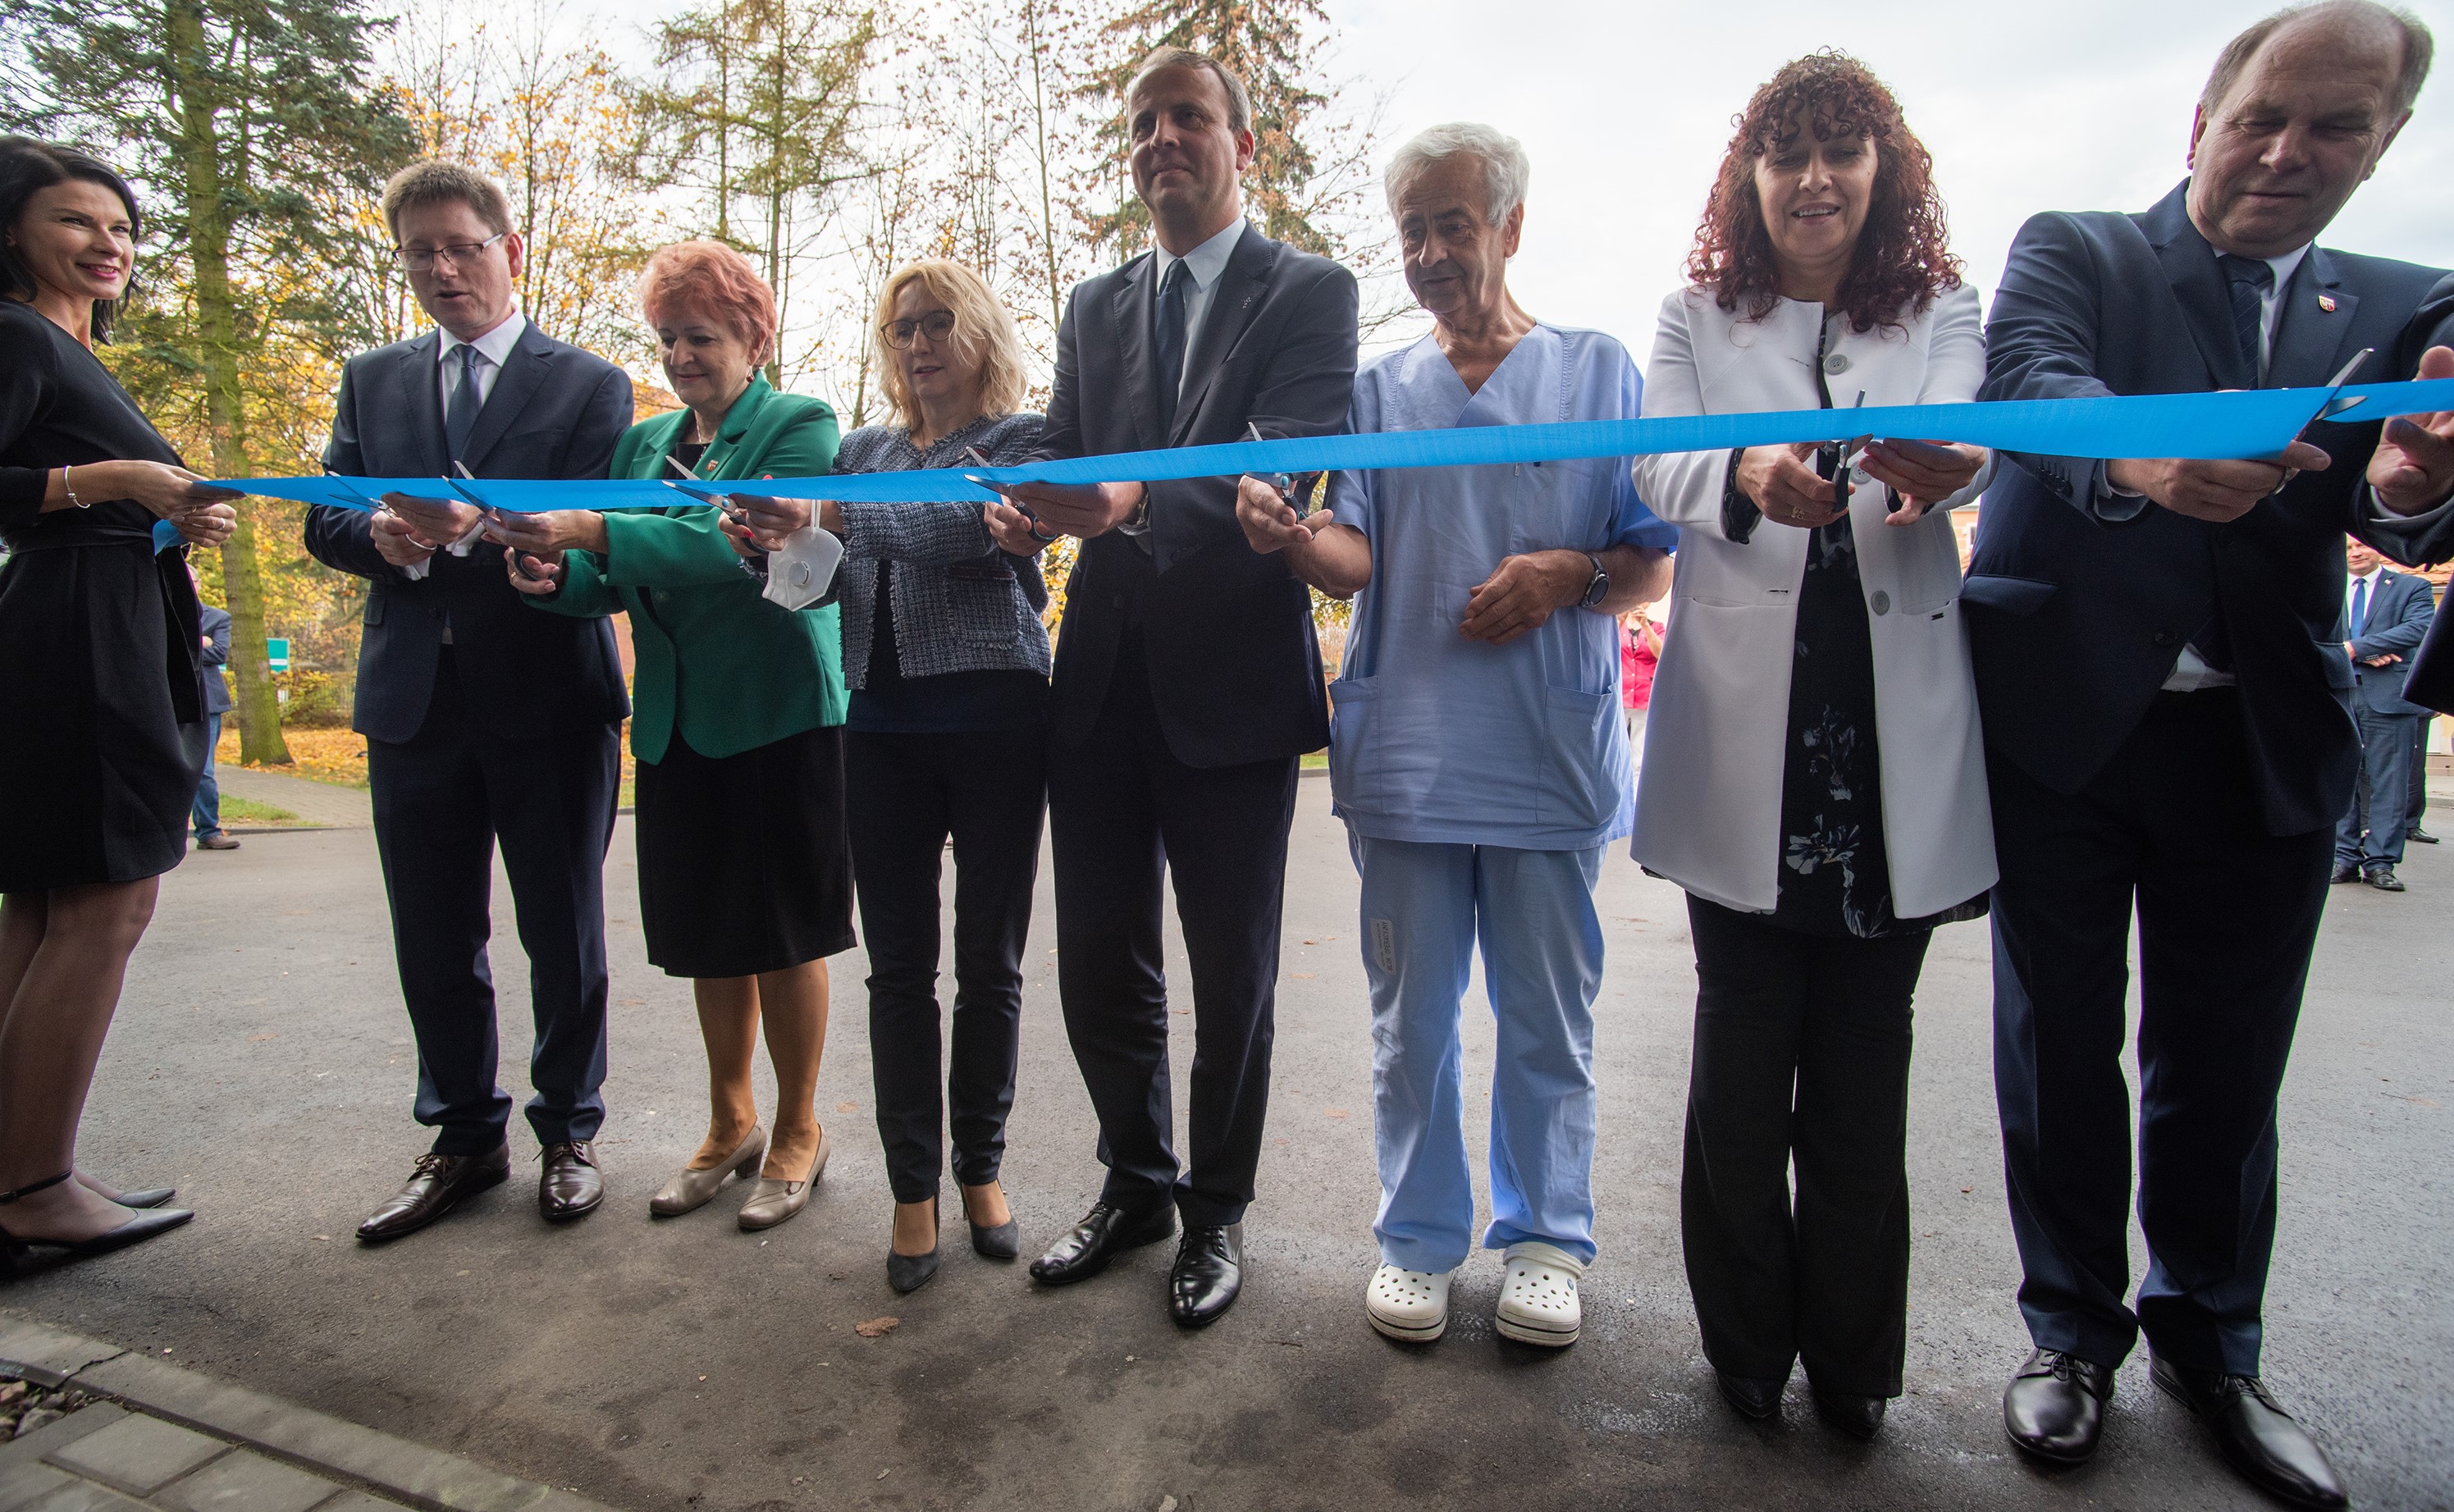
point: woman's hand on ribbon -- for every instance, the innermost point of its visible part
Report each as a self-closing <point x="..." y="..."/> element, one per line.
<point x="548" y="534"/>
<point x="1784" y="488"/>
<point x="2413" y="468"/>
<point x="1921" y="473"/>
<point x="536" y="573"/>
<point x="208" y="524"/>
<point x="761" y="523"/>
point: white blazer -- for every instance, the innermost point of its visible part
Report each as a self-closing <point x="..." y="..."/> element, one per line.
<point x="1709" y="797"/>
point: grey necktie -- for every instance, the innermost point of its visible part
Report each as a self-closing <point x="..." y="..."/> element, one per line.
<point x="462" y="417"/>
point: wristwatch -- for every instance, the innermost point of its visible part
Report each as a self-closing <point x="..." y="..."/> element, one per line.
<point x="1599" y="588"/>
<point x="1137" y="523"/>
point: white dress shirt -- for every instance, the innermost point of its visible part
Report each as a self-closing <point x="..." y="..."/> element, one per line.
<point x="1206" y="262"/>
<point x="2190" y="671"/>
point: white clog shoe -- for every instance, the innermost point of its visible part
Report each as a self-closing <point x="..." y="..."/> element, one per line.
<point x="1409" y="1307"/>
<point x="1537" y="1297"/>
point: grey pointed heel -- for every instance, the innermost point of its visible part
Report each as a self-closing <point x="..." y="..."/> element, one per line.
<point x="772" y="1202"/>
<point x="690" y="1190"/>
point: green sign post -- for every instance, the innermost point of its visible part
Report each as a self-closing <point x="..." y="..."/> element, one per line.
<point x="277" y="651"/>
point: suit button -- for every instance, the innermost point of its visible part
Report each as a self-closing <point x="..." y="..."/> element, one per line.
<point x="2163" y="638"/>
<point x="1882" y="602"/>
<point x="1837" y="362"/>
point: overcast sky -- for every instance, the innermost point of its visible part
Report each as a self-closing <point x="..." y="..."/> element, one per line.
<point x="1625" y="110"/>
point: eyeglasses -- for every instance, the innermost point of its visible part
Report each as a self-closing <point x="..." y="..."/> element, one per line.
<point x="936" y="324"/>
<point x="460" y="254"/>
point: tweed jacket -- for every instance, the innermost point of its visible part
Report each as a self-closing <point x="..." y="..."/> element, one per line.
<point x="960" y="604"/>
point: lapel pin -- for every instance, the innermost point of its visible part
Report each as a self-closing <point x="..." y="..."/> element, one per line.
<point x="2326" y="303"/>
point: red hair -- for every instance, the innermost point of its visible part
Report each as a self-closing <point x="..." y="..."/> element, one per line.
<point x="713" y="282"/>
<point x="1903" y="257"/>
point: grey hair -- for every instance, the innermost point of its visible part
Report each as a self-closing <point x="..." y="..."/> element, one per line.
<point x="1505" y="172"/>
<point x="2418" y="47"/>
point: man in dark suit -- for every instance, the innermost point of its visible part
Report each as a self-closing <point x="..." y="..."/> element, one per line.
<point x="484" y="720"/>
<point x="1187" y="679"/>
<point x="2385" y="614"/>
<point x="213" y="626"/>
<point x="2164" y="692"/>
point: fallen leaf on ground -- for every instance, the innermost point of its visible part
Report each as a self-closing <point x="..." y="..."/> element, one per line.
<point x="847" y="1107"/>
<point x="876" y="1327"/>
<point x="1334" y="1113"/>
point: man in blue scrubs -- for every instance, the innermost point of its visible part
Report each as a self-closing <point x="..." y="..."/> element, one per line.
<point x="1476" y="752"/>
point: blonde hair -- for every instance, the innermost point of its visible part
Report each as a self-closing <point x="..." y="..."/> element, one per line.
<point x="984" y="333"/>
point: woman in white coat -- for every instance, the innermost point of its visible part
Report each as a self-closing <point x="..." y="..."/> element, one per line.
<point x="1812" y="774"/>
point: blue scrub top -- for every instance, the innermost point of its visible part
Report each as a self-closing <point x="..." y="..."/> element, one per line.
<point x="1435" y="739"/>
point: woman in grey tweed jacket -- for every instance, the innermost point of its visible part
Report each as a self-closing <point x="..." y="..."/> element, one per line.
<point x="948" y="665"/>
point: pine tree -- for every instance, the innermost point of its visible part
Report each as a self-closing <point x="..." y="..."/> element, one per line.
<point x="242" y="122"/>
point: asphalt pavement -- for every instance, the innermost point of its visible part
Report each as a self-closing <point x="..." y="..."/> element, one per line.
<point x="261" y="1061"/>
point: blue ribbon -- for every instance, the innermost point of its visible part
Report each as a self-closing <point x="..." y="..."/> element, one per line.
<point x="2236" y="423"/>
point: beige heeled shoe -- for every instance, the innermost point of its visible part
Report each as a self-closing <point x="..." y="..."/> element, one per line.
<point x="772" y="1201"/>
<point x="690" y="1190"/>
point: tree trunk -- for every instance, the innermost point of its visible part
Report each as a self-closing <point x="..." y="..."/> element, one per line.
<point x="209" y="227"/>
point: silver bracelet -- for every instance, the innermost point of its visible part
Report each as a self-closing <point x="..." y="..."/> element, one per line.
<point x="69" y="489"/>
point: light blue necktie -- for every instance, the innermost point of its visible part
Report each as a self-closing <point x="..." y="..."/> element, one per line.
<point x="2359" y="607"/>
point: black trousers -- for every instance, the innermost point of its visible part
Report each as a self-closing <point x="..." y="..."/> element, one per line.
<point x="1801" y="1059"/>
<point x="1124" y="813"/>
<point x="442" y="798"/>
<point x="2227" y="914"/>
<point x="908" y="794"/>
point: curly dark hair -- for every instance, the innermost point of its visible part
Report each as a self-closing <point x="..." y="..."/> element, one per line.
<point x="1904" y="258"/>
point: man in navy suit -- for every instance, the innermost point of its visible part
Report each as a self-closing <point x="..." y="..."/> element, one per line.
<point x="2165" y="696"/>
<point x="213" y="626"/>
<point x="1187" y="681"/>
<point x="2386" y="616"/>
<point x="484" y="720"/>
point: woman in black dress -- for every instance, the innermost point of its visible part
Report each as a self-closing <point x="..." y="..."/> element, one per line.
<point x="99" y="644"/>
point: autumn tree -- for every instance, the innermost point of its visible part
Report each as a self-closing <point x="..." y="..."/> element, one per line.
<point x="763" y="124"/>
<point x="243" y="121"/>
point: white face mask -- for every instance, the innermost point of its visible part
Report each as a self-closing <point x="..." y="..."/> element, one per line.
<point x="801" y="573"/>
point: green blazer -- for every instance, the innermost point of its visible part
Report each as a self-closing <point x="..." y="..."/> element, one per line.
<point x="715" y="659"/>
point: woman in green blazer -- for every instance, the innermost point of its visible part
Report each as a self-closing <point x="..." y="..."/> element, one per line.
<point x="745" y="876"/>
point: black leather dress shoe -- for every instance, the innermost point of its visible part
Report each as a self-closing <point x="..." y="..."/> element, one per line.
<point x="1858" y="1417"/>
<point x="1105" y="1232"/>
<point x="2416" y="833"/>
<point x="2258" y="1436"/>
<point x="1208" y="1273"/>
<point x="438" y="1184"/>
<point x="2343" y="874"/>
<point x="1750" y="1397"/>
<point x="2054" y="1408"/>
<point x="570" y="1185"/>
<point x="2382" y="878"/>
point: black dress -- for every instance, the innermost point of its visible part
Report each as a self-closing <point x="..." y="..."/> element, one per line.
<point x="98" y="632"/>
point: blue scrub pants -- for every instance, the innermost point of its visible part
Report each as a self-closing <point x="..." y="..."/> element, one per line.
<point x="1424" y="907"/>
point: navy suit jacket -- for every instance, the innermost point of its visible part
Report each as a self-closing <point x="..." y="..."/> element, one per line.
<point x="2399" y="610"/>
<point x="213" y="626"/>
<point x="2079" y="600"/>
<point x="555" y="413"/>
<point x="1235" y="671"/>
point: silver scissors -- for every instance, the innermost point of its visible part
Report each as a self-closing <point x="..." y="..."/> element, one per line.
<point x="1283" y="482"/>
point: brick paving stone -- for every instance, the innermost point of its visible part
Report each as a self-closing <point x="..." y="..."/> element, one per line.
<point x="22" y="1485"/>
<point x="247" y="1482"/>
<point x="84" y="1496"/>
<point x="138" y="1455"/>
<point x="358" y="1501"/>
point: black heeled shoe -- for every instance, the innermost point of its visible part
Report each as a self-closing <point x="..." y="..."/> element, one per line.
<point x="909" y="1273"/>
<point x="993" y="1241"/>
<point x="16" y="1251"/>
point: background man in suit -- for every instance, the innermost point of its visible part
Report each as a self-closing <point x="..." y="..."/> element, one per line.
<point x="2163" y="691"/>
<point x="214" y="627"/>
<point x="484" y="720"/>
<point x="1187" y="680"/>
<point x="2385" y="614"/>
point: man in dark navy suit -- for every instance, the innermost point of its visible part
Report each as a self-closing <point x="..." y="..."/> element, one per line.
<point x="484" y="720"/>
<point x="2165" y="698"/>
<point x="1187" y="680"/>
<point x="2386" y="615"/>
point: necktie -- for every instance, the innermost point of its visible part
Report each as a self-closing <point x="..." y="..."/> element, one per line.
<point x="462" y="417"/>
<point x="2250" y="279"/>
<point x="2360" y="608"/>
<point x="1168" y="340"/>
